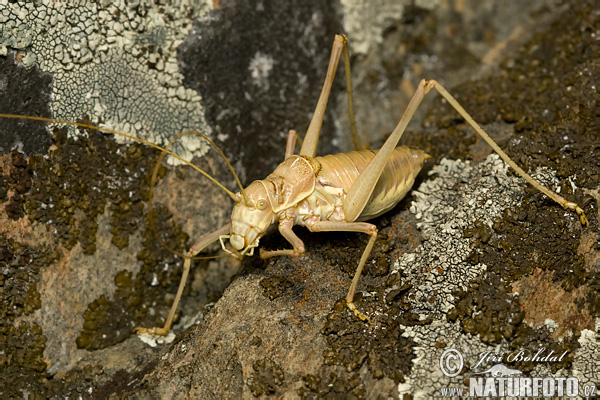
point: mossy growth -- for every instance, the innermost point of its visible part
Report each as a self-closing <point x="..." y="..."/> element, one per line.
<point x="20" y="277"/>
<point x="332" y="386"/>
<point x="140" y="300"/>
<point x="528" y="238"/>
<point x="76" y="183"/>
<point x="546" y="91"/>
<point x="380" y="344"/>
<point x="67" y="191"/>
<point x="502" y="314"/>
<point x="345" y="248"/>
<point x="352" y="345"/>
<point x="21" y="360"/>
<point x="487" y="310"/>
<point x="531" y="236"/>
<point x="22" y="343"/>
<point x="104" y="315"/>
<point x="553" y="112"/>
<point x="265" y="379"/>
<point x="19" y="180"/>
<point x="76" y="180"/>
<point x="143" y="299"/>
<point x="22" y="363"/>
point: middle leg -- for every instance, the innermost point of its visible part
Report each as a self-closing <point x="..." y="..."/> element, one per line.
<point x="341" y="226"/>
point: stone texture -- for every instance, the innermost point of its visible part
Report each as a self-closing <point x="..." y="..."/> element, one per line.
<point x="82" y="267"/>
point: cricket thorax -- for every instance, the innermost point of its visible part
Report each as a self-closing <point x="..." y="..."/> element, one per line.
<point x="292" y="181"/>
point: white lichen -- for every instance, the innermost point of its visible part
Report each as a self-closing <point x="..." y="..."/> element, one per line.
<point x="155" y="340"/>
<point x="114" y="62"/>
<point x="260" y="68"/>
<point x="586" y="364"/>
<point x="365" y="20"/>
<point x="446" y="205"/>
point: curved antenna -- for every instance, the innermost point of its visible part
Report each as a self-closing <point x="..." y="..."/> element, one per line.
<point x="154" y="178"/>
<point x="147" y="143"/>
<point x="164" y="152"/>
<point x="202" y="135"/>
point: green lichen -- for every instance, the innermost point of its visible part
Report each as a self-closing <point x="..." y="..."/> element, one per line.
<point x="486" y="309"/>
<point x="533" y="236"/>
<point x="527" y="238"/>
<point x="345" y="248"/>
<point x="384" y="349"/>
<point x="555" y="121"/>
<point x="67" y="191"/>
<point x="140" y="300"/>
<point x="22" y="343"/>
<point x="74" y="185"/>
<point x="19" y="180"/>
<point x="77" y="179"/>
<point x="266" y="378"/>
<point x="332" y="386"/>
<point x="275" y="286"/>
<point x="21" y="360"/>
<point x="502" y="315"/>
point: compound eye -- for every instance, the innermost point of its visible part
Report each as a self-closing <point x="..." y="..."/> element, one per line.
<point x="261" y="204"/>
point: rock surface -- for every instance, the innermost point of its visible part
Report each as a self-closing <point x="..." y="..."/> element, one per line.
<point x="473" y="259"/>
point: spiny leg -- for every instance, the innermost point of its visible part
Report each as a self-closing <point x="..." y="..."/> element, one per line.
<point x="195" y="249"/>
<point x="568" y="205"/>
<point x="364" y="185"/>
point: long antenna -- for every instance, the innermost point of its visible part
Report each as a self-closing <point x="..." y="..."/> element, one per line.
<point x="155" y="177"/>
<point x="147" y="143"/>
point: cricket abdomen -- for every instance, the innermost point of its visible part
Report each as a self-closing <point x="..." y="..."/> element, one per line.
<point x="341" y="171"/>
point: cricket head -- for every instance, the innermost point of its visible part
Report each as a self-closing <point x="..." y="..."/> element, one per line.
<point x="250" y="219"/>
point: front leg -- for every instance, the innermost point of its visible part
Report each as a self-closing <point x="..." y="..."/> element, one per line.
<point x="285" y="228"/>
<point x="195" y="249"/>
